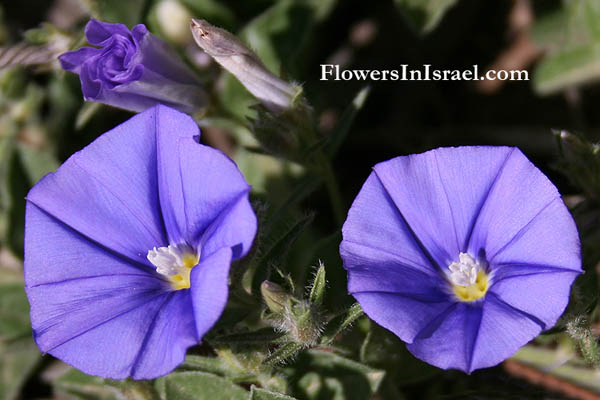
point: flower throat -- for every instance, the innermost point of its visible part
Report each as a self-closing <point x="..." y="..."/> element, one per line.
<point x="469" y="280"/>
<point x="175" y="262"/>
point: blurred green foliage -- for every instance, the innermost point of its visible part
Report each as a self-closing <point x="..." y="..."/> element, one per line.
<point x="571" y="37"/>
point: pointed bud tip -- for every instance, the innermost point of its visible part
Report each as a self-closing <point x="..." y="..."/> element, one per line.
<point x="275" y="296"/>
<point x="197" y="23"/>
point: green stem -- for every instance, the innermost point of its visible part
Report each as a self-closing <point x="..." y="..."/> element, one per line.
<point x="333" y="189"/>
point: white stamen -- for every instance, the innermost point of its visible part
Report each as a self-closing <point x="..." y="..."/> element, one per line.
<point x="169" y="260"/>
<point x="464" y="272"/>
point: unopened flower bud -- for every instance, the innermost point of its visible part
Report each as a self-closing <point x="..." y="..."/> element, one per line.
<point x="275" y="297"/>
<point x="133" y="70"/>
<point x="226" y="49"/>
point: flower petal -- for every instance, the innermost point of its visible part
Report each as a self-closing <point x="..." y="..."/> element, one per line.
<point x="540" y="293"/>
<point x="211" y="183"/>
<point x="502" y="331"/>
<point x="120" y="96"/>
<point x="404" y="316"/>
<point x="87" y="303"/>
<point x="161" y="58"/>
<point x="56" y="253"/>
<point x="98" y="32"/>
<point x="235" y="227"/>
<point x="108" y="190"/>
<point x="91" y="86"/>
<point x="389" y="277"/>
<point x="442" y="191"/>
<point x="172" y="332"/>
<point x="156" y="89"/>
<point x="375" y="229"/>
<point x="398" y="298"/>
<point x="447" y="340"/>
<point x="550" y="239"/>
<point x="97" y="324"/>
<point x="472" y="336"/>
<point x="72" y="60"/>
<point x="196" y="182"/>
<point x="209" y="288"/>
<point x="468" y="174"/>
<point x="520" y="193"/>
<point x="171" y="126"/>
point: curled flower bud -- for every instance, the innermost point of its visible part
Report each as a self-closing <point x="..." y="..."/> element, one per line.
<point x="132" y="69"/>
<point x="226" y="49"/>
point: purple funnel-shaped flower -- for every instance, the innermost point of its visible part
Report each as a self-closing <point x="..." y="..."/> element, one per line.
<point x="133" y="70"/>
<point x="128" y="247"/>
<point x="464" y="253"/>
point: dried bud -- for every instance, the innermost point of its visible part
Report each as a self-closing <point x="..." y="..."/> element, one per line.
<point x="226" y="49"/>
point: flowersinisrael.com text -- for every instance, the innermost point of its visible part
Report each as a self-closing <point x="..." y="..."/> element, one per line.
<point x="426" y="73"/>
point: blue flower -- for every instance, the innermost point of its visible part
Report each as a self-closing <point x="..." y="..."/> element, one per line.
<point x="128" y="247"/>
<point x="466" y="253"/>
<point x="133" y="70"/>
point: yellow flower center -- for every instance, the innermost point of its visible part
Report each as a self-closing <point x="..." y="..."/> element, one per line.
<point x="182" y="279"/>
<point x="472" y="292"/>
<point x="175" y="262"/>
<point x="469" y="280"/>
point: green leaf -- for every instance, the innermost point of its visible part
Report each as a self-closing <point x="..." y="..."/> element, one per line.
<point x="572" y="66"/>
<point x="323" y="375"/>
<point x="118" y="11"/>
<point x="425" y="15"/>
<point x="264" y="335"/>
<point x="317" y="291"/>
<point x="262" y="394"/>
<point x="18" y="188"/>
<point x="216" y="12"/>
<point x="282" y="353"/>
<point x="552" y="362"/>
<point x="200" y="386"/>
<point x="341" y="322"/>
<point x="275" y="247"/>
<point x="322" y="8"/>
<point x="549" y="30"/>
<point x="571" y="40"/>
<point x="14" y="311"/>
<point x="87" y="111"/>
<point x="17" y="360"/>
<point x="6" y="162"/>
<point x="219" y="367"/>
<point x="279" y="34"/>
<point x="382" y="349"/>
<point x="302" y="188"/>
<point x="345" y="123"/>
<point x="579" y="159"/>
<point x="207" y="364"/>
<point x="37" y="163"/>
<point x="74" y="383"/>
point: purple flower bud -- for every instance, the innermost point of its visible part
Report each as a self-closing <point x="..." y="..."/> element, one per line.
<point x="133" y="70"/>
